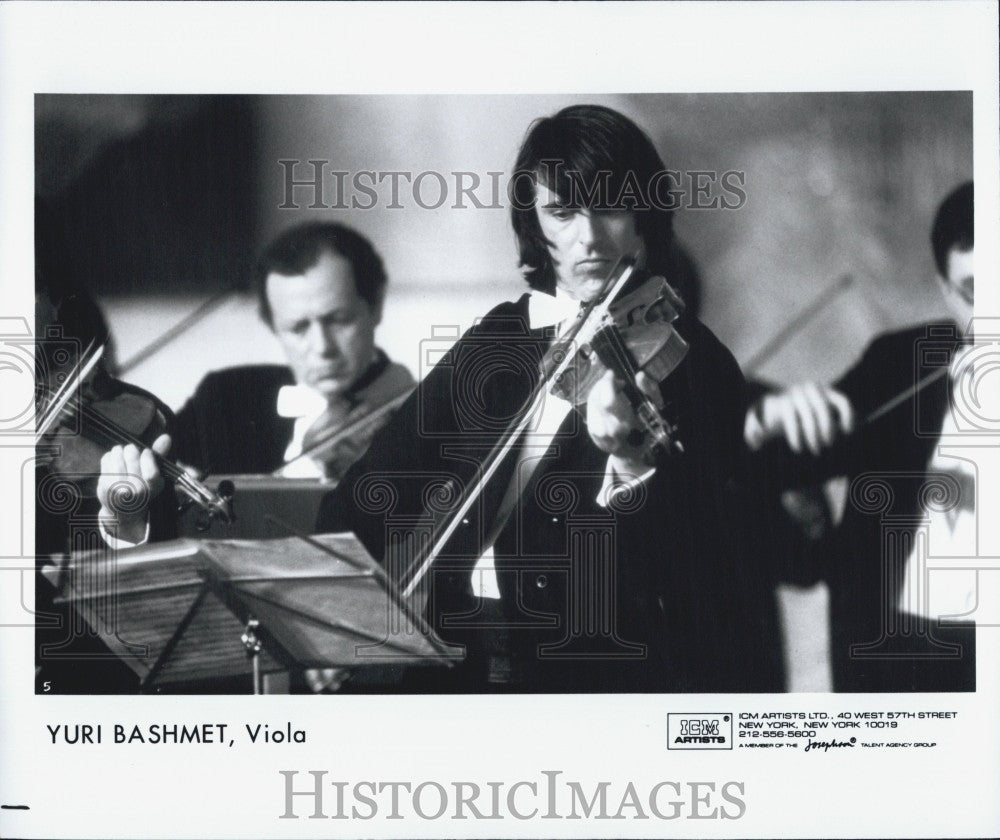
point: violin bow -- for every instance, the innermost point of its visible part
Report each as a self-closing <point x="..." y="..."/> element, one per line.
<point x="782" y="337"/>
<point x="904" y="395"/>
<point x="80" y="371"/>
<point x="334" y="436"/>
<point x="200" y="312"/>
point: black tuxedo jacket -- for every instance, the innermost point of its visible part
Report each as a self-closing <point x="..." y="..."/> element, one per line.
<point x="659" y="591"/>
<point x="230" y="425"/>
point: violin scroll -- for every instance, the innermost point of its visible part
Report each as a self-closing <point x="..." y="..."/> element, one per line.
<point x="219" y="506"/>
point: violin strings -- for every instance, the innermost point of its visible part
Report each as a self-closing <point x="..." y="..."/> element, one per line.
<point x="77" y="374"/>
<point x="113" y="432"/>
<point x="624" y="357"/>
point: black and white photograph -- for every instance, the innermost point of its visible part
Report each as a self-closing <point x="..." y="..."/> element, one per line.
<point x="606" y="453"/>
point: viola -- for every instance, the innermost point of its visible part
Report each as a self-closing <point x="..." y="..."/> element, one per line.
<point x="633" y="333"/>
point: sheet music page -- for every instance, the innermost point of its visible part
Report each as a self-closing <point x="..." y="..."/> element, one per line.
<point x="807" y="146"/>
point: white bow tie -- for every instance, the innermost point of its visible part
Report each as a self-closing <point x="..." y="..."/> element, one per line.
<point x="545" y="310"/>
<point x="300" y="401"/>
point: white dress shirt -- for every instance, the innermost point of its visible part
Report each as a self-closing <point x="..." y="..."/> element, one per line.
<point x="935" y="586"/>
<point x="306" y="405"/>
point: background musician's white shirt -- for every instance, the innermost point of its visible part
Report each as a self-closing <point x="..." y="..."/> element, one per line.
<point x="306" y="405"/>
<point x="951" y="533"/>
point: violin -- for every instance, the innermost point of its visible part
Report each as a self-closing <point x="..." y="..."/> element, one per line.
<point x="632" y="333"/>
<point x="339" y="446"/>
<point x="89" y="413"/>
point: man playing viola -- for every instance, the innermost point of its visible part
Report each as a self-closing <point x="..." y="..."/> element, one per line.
<point x="621" y="566"/>
<point x="893" y="627"/>
<point x="320" y="288"/>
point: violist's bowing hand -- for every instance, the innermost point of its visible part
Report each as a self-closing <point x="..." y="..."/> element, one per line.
<point x="130" y="479"/>
<point x="613" y="425"/>
<point x="807" y="415"/>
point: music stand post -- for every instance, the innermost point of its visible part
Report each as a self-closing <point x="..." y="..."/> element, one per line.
<point x="251" y="641"/>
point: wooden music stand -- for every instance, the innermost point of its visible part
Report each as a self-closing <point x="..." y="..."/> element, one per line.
<point x="189" y="610"/>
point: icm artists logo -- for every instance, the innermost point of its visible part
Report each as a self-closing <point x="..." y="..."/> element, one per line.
<point x="700" y="731"/>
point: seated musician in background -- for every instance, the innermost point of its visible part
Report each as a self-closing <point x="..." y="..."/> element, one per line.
<point x="879" y="425"/>
<point x="791" y="526"/>
<point x="320" y="288"/>
<point x="621" y="566"/>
